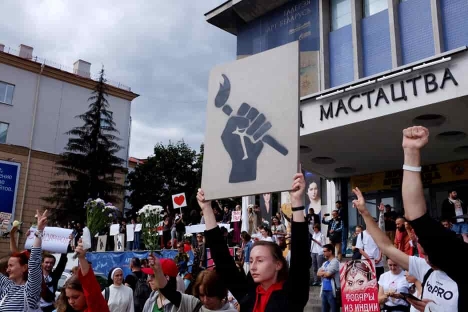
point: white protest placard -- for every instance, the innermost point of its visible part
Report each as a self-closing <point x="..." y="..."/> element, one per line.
<point x="179" y="200"/>
<point x="54" y="239"/>
<point x="252" y="118"/>
<point x="114" y="229"/>
<point x="236" y="216"/>
<point x="119" y="242"/>
<point x="199" y="228"/>
<point x="138" y="227"/>
<point x="130" y="232"/>
<point x="101" y="245"/>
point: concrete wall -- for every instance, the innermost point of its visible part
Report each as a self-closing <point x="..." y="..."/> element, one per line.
<point x="59" y="103"/>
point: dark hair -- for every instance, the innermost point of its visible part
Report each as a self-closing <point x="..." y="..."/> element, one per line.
<point x="359" y="226"/>
<point x="277" y="254"/>
<point x="317" y="226"/>
<point x="62" y="302"/>
<point x="23" y="258"/>
<point x="402" y="218"/>
<point x="338" y="202"/>
<point x="212" y="284"/>
<point x="135" y="262"/>
<point x="246" y="236"/>
<point x="48" y="255"/>
<point x="330" y="248"/>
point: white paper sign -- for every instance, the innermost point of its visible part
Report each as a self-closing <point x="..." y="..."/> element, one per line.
<point x="101" y="245"/>
<point x="199" y="228"/>
<point x="138" y="227"/>
<point x="54" y="239"/>
<point x="114" y="229"/>
<point x="130" y="232"/>
<point x="119" y="242"/>
<point x="179" y="200"/>
<point x="236" y="216"/>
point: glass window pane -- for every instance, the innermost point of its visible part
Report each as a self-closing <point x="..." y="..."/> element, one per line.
<point x="372" y="7"/>
<point x="3" y="132"/>
<point x="3" y="87"/>
<point x="9" y="94"/>
<point x="340" y="13"/>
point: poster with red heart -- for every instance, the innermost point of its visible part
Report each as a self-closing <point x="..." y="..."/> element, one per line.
<point x="179" y="200"/>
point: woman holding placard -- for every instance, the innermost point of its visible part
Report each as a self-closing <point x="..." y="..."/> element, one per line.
<point x="82" y="292"/>
<point x="269" y="285"/>
<point x="21" y="290"/>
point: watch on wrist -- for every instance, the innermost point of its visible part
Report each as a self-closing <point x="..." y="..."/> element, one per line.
<point x="39" y="234"/>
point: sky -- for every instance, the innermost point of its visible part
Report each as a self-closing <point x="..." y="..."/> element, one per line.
<point x="162" y="49"/>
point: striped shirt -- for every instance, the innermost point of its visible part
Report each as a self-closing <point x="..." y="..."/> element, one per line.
<point x="12" y="296"/>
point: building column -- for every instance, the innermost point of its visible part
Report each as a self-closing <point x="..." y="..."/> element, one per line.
<point x="356" y="17"/>
<point x="394" y="26"/>
<point x="324" y="63"/>
<point x="246" y="201"/>
<point x="437" y="29"/>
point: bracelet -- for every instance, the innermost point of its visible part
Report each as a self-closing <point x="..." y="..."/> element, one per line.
<point x="298" y="208"/>
<point x="411" y="168"/>
<point x="39" y="234"/>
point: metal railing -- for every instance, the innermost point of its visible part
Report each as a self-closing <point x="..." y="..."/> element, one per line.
<point x="59" y="66"/>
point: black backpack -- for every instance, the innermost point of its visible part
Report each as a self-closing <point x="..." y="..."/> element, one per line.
<point x="142" y="291"/>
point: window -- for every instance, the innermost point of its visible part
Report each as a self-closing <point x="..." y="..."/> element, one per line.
<point x="3" y="132"/>
<point x="340" y="13"/>
<point x="372" y="7"/>
<point x="6" y="93"/>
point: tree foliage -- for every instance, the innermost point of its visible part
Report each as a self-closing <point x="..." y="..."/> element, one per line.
<point x="174" y="168"/>
<point x="87" y="167"/>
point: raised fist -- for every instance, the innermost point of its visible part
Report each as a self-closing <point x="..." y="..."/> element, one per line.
<point x="415" y="137"/>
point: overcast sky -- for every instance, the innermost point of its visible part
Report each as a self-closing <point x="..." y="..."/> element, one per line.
<point x="162" y="49"/>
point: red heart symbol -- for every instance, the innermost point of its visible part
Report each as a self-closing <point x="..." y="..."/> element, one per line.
<point x="179" y="200"/>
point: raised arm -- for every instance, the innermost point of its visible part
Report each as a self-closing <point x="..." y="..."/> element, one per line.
<point x="414" y="139"/>
<point x="297" y="284"/>
<point x="13" y="245"/>
<point x="172" y="295"/>
<point x="235" y="280"/>
<point x="382" y="241"/>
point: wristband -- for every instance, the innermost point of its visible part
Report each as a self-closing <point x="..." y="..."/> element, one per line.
<point x="411" y="168"/>
<point x="298" y="208"/>
<point x="39" y="234"/>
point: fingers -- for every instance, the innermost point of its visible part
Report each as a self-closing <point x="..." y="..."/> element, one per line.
<point x="256" y="124"/>
<point x="268" y="139"/>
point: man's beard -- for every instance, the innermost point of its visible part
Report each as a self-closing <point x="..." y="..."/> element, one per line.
<point x="402" y="229"/>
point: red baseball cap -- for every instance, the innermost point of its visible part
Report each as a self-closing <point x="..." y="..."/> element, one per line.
<point x="168" y="267"/>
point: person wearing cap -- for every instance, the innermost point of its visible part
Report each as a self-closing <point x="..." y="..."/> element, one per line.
<point x="210" y="292"/>
<point x="156" y="301"/>
<point x="118" y="296"/>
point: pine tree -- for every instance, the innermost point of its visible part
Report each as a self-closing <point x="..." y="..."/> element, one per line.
<point x="87" y="167"/>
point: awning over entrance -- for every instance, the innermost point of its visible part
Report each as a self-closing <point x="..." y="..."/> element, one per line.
<point x="357" y="129"/>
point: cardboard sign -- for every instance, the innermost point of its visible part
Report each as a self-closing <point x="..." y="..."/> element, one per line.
<point x="356" y="296"/>
<point x="130" y="232"/>
<point x="252" y="133"/>
<point x="102" y="242"/>
<point x="114" y="229"/>
<point x="119" y="242"/>
<point x="179" y="200"/>
<point x="236" y="216"/>
<point x="54" y="239"/>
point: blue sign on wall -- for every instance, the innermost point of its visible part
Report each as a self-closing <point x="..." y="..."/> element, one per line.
<point x="9" y="177"/>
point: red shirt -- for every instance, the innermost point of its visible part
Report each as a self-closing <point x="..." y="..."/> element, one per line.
<point x="402" y="242"/>
<point x="92" y="292"/>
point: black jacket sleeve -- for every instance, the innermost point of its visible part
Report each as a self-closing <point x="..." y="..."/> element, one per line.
<point x="439" y="244"/>
<point x="297" y="284"/>
<point x="447" y="211"/>
<point x="172" y="295"/>
<point x="235" y="280"/>
<point x="57" y="273"/>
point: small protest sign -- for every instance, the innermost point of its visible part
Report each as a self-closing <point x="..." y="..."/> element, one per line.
<point x="54" y="239"/>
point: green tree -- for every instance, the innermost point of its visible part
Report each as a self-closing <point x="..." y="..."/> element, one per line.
<point x="87" y="167"/>
<point x="173" y="169"/>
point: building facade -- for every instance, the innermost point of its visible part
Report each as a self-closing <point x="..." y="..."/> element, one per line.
<point x="368" y="70"/>
<point x="38" y="105"/>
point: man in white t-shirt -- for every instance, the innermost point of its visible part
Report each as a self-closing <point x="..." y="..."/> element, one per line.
<point x="438" y="288"/>
<point x="370" y="251"/>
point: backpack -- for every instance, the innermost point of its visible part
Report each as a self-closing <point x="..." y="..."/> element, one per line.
<point x="142" y="290"/>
